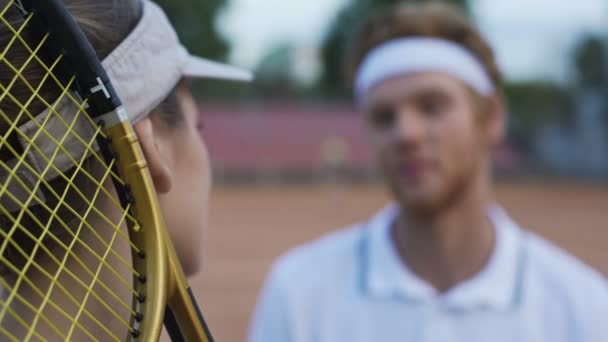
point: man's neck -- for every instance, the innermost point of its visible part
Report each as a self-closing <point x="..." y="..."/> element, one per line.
<point x="449" y="247"/>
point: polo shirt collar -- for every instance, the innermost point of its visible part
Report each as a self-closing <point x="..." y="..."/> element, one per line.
<point x="493" y="287"/>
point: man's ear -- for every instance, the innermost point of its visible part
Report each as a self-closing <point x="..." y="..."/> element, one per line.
<point x="156" y="153"/>
<point x="497" y="119"/>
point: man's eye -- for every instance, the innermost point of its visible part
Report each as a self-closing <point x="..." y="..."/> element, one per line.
<point x="382" y="117"/>
<point x="431" y="105"/>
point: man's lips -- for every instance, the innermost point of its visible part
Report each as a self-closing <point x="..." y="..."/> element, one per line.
<point x="414" y="169"/>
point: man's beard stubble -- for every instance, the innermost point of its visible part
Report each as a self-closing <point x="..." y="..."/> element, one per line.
<point x="457" y="188"/>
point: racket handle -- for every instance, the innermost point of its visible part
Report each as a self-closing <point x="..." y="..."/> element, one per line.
<point x="173" y="327"/>
<point x="200" y="315"/>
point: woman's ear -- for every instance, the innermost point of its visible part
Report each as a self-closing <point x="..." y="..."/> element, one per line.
<point x="156" y="154"/>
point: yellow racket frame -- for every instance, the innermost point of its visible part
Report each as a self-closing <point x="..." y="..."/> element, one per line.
<point x="164" y="286"/>
<point x="168" y="284"/>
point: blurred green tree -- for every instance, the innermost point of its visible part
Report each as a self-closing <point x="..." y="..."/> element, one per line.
<point x="591" y="64"/>
<point x="591" y="60"/>
<point x="195" y="23"/>
<point x="334" y="47"/>
<point x="531" y="105"/>
<point x="275" y="74"/>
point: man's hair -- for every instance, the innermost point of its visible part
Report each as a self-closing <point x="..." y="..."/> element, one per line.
<point x="429" y="19"/>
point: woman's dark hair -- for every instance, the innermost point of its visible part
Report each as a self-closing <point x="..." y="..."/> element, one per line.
<point x="106" y="23"/>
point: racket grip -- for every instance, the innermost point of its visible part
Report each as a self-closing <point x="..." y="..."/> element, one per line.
<point x="172" y="325"/>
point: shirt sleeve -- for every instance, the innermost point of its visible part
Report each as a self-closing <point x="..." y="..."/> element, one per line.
<point x="271" y="321"/>
<point x="596" y="317"/>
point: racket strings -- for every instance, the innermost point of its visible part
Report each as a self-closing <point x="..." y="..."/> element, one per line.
<point x="69" y="272"/>
<point x="55" y="221"/>
<point x="49" y="72"/>
<point x="34" y="308"/>
<point x="82" y="196"/>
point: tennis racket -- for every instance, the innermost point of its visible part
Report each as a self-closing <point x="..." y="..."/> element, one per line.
<point x="81" y="260"/>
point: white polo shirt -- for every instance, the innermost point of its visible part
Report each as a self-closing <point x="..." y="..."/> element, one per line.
<point x="351" y="286"/>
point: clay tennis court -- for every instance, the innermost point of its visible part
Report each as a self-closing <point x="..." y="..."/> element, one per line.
<point x="253" y="224"/>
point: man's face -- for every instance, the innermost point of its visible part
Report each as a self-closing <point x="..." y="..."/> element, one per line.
<point x="431" y="137"/>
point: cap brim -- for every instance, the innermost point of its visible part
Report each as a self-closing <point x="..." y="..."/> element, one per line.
<point x="203" y="68"/>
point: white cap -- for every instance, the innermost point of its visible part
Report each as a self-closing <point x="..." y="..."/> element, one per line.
<point x="143" y="69"/>
<point x="147" y="65"/>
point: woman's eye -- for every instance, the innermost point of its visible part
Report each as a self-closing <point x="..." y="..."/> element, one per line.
<point x="200" y="124"/>
<point x="200" y="127"/>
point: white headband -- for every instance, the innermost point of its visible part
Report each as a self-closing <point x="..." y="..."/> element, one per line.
<point x="144" y="68"/>
<point x="411" y="55"/>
